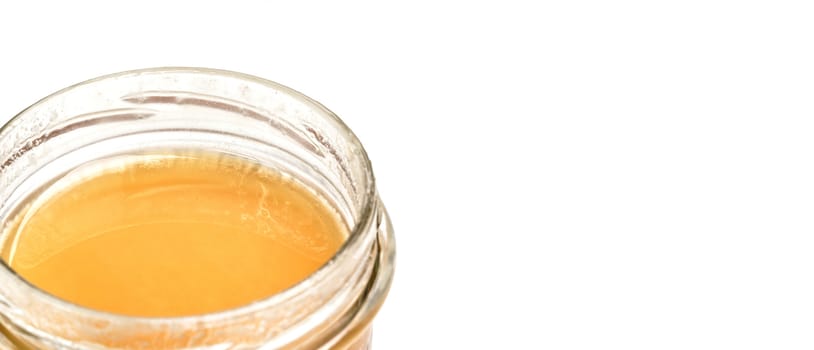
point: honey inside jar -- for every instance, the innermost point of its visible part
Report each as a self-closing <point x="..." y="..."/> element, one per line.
<point x="172" y="235"/>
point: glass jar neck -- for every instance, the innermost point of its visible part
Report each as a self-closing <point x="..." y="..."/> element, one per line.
<point x="213" y="110"/>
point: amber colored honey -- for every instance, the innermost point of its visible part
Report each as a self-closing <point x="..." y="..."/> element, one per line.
<point x="174" y="235"/>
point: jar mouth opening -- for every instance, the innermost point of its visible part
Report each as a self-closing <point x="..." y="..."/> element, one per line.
<point x="364" y="220"/>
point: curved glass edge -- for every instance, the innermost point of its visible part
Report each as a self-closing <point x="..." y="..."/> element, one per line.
<point x="364" y="221"/>
<point x="358" y="334"/>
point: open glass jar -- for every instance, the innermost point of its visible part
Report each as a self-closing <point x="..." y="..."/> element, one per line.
<point x="218" y="111"/>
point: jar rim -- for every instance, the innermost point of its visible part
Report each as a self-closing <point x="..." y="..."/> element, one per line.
<point x="364" y="221"/>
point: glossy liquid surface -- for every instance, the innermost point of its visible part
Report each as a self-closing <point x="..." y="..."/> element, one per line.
<point x="174" y="235"/>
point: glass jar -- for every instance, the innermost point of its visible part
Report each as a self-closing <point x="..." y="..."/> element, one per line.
<point x="152" y="110"/>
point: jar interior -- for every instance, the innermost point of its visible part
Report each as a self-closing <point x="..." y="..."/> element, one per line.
<point x="160" y="112"/>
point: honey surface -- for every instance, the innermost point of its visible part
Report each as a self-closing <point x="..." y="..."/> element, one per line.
<point x="174" y="235"/>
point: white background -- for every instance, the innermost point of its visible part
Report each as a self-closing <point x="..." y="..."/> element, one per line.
<point x="561" y="175"/>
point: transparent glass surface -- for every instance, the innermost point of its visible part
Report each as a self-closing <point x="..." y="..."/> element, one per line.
<point x="147" y="111"/>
